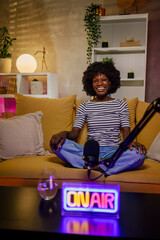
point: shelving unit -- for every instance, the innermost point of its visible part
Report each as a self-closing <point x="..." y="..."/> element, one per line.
<point x="115" y="29"/>
<point x="23" y="83"/>
<point x="119" y="50"/>
<point x="50" y="84"/>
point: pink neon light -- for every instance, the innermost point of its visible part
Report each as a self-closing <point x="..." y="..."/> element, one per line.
<point x="87" y="198"/>
<point x="95" y="199"/>
<point x="10" y="105"/>
<point x="7" y="105"/>
<point x="102" y="200"/>
<point x="2" y="108"/>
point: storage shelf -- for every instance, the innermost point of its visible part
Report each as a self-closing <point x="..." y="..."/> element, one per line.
<point x="38" y="96"/>
<point x="116" y="29"/>
<point x="123" y="18"/>
<point x="23" y="82"/>
<point x="118" y="50"/>
<point x="35" y="74"/>
<point x="6" y="95"/>
<point x="22" y="85"/>
<point x="132" y="79"/>
<point x="132" y="83"/>
<point x="8" y="74"/>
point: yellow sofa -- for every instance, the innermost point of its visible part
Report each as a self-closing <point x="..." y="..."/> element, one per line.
<point x="59" y="115"/>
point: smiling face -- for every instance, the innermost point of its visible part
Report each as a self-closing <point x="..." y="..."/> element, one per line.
<point x="101" y="85"/>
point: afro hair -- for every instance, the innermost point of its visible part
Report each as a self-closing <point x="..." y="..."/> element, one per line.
<point x="106" y="68"/>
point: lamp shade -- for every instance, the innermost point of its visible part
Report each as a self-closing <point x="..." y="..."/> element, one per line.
<point x="26" y="63"/>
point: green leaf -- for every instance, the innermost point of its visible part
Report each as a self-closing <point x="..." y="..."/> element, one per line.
<point x="5" y="42"/>
<point x="92" y="28"/>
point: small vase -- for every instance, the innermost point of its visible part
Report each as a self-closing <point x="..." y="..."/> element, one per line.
<point x="36" y="88"/>
<point x="5" y="65"/>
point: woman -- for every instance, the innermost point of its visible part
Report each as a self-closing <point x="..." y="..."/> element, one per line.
<point x="104" y="116"/>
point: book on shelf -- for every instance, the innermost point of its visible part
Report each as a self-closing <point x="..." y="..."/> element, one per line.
<point x="12" y="87"/>
<point x="130" y="44"/>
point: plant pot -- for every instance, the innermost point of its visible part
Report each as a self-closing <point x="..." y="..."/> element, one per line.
<point x="36" y="88"/>
<point x="101" y="11"/>
<point x="5" y="65"/>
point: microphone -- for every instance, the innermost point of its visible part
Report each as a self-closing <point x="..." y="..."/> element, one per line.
<point x="91" y="153"/>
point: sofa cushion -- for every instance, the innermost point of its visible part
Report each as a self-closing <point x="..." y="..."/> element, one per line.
<point x="154" y="150"/>
<point x="132" y="105"/>
<point x="57" y="113"/>
<point x="83" y="133"/>
<point x="150" y="131"/>
<point x="31" y="167"/>
<point x="143" y="179"/>
<point x="147" y="173"/>
<point x="21" y="136"/>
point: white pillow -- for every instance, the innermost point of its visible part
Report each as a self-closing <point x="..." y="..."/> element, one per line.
<point x="21" y="136"/>
<point x="154" y="151"/>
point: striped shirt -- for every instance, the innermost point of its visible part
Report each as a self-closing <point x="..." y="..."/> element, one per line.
<point x="103" y="120"/>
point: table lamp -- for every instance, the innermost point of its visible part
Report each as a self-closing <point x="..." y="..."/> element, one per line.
<point x="26" y="63"/>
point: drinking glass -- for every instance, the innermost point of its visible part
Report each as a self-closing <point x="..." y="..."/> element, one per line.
<point x="47" y="184"/>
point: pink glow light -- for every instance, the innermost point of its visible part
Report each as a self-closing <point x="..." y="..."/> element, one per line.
<point x="10" y="105"/>
<point x="2" y="108"/>
<point x="7" y="105"/>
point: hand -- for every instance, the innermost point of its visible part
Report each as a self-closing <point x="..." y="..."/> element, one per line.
<point x="143" y="150"/>
<point x="58" y="139"/>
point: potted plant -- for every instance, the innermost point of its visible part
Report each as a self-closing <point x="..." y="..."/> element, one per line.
<point x="92" y="28"/>
<point x="5" y="56"/>
<point x="36" y="87"/>
<point x="107" y="59"/>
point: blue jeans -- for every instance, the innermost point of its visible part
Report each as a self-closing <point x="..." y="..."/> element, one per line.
<point x="72" y="153"/>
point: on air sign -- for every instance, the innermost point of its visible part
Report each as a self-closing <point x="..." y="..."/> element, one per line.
<point x="89" y="198"/>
